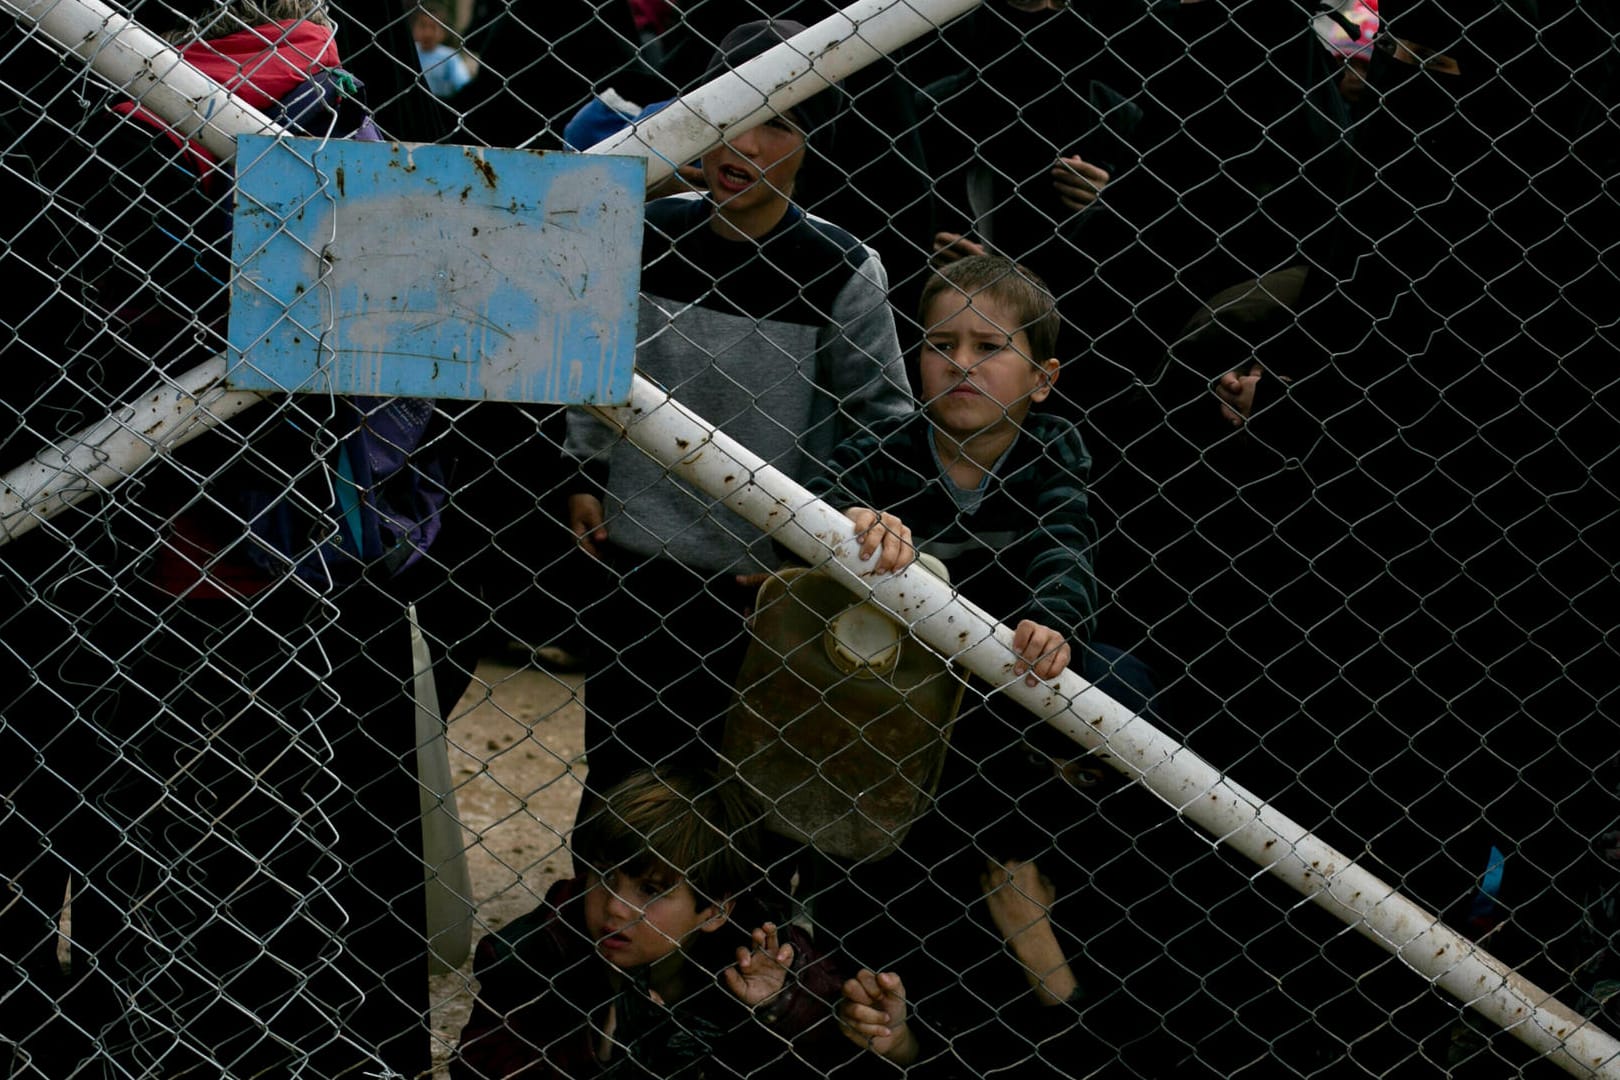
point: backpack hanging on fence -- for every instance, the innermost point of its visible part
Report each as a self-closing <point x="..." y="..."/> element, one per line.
<point x="841" y="719"/>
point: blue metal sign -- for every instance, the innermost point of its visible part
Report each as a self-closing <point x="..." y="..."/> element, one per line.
<point x="434" y="271"/>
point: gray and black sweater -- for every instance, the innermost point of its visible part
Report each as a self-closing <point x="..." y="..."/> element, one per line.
<point x="787" y="344"/>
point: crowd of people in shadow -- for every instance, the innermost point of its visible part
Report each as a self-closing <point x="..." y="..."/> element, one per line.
<point x="1260" y="376"/>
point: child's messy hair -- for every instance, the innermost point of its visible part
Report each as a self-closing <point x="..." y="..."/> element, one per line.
<point x="703" y="829"/>
<point x="1019" y="288"/>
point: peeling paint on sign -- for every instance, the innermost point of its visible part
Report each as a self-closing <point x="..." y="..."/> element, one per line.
<point x="435" y="271"/>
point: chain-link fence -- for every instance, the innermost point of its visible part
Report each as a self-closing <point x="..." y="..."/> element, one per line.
<point x="1248" y="713"/>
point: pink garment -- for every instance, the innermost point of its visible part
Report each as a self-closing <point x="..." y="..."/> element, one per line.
<point x="1334" y="28"/>
<point x="259" y="66"/>
<point x="651" y="15"/>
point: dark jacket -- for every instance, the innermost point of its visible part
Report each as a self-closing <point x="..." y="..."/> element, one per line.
<point x="1024" y="553"/>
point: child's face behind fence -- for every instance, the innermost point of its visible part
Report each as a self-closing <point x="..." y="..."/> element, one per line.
<point x="976" y="370"/>
<point x="637" y="919"/>
<point x="751" y="176"/>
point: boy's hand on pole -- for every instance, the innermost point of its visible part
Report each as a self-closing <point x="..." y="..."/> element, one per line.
<point x="1042" y="652"/>
<point x="883" y="533"/>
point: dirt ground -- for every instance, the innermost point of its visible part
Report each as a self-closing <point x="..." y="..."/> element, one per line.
<point x="517" y="745"/>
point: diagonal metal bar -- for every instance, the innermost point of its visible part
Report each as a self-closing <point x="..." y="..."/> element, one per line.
<point x="778" y="79"/>
<point x="101" y="457"/>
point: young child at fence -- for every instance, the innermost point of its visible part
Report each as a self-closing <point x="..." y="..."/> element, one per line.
<point x="641" y="961"/>
<point x="774" y="325"/>
<point x="994" y="490"/>
<point x="438" y="48"/>
<point x="998" y="493"/>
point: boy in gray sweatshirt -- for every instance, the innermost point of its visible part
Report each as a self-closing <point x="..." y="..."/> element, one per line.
<point x="775" y="326"/>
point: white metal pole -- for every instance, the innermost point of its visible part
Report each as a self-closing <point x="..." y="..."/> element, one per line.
<point x="722" y="468"/>
<point x="102" y="456"/>
<point x="778" y="79"/>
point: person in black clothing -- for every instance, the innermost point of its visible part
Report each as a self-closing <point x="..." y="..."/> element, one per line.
<point x="1403" y="441"/>
<point x="539" y="61"/>
<point x="243" y="834"/>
